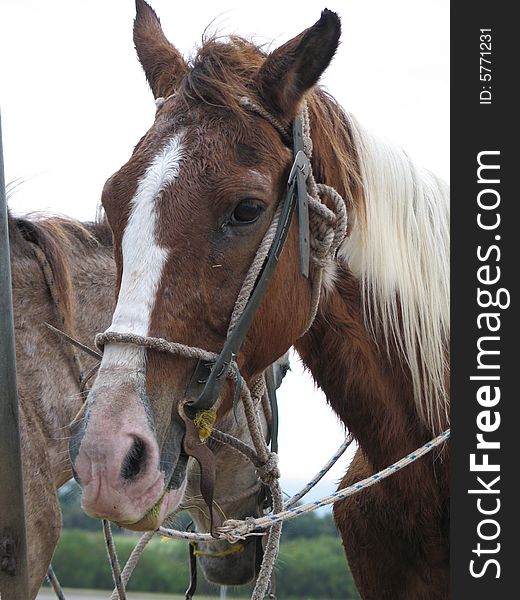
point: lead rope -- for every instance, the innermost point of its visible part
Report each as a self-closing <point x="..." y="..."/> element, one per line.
<point x="233" y="531"/>
<point x="269" y="474"/>
<point x="114" y="562"/>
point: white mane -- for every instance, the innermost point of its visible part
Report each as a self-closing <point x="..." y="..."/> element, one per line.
<point x="399" y="250"/>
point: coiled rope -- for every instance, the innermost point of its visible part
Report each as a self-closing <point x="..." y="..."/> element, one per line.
<point x="235" y="530"/>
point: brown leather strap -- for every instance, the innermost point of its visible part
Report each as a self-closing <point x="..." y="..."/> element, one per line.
<point x="208" y="380"/>
<point x="206" y="459"/>
<point x="192" y="588"/>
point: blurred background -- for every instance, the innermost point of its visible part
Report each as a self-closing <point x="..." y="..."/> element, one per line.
<point x="74" y="102"/>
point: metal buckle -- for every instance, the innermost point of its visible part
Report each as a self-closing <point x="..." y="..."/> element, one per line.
<point x="298" y="176"/>
<point x="301" y="164"/>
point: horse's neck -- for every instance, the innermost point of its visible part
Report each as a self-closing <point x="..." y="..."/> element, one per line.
<point x="49" y="389"/>
<point x="93" y="283"/>
<point x="398" y="246"/>
<point x="372" y="395"/>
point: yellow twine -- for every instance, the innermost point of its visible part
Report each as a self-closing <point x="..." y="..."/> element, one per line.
<point x="204" y="421"/>
<point x="233" y="550"/>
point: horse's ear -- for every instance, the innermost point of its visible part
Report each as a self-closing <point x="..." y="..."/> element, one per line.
<point x="163" y="64"/>
<point x="293" y="68"/>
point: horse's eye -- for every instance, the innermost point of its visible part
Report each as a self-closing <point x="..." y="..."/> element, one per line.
<point x="246" y="212"/>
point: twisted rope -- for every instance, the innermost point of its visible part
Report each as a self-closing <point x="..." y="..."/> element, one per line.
<point x="269" y="474"/>
<point x="319" y="475"/>
<point x="160" y="344"/>
<point x="114" y="562"/>
<point x="132" y="561"/>
<point x="328" y="225"/>
<point x="237" y="444"/>
<point x="53" y="580"/>
<point x="238" y="530"/>
<point x="252" y="106"/>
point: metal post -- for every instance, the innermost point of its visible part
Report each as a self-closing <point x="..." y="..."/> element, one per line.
<point x="13" y="549"/>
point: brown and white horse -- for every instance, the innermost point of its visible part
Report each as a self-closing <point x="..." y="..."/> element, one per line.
<point x="188" y="212"/>
<point x="79" y="286"/>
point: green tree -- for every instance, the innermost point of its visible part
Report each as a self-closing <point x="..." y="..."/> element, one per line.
<point x="314" y="568"/>
<point x="307" y="568"/>
<point x="310" y="525"/>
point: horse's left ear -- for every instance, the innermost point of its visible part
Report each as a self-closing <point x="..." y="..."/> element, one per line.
<point x="293" y="68"/>
<point x="163" y="64"/>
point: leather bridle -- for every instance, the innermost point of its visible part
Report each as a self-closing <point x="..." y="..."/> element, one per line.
<point x="209" y="377"/>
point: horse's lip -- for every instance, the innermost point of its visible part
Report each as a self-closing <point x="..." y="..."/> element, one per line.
<point x="149" y="517"/>
<point x="167" y="503"/>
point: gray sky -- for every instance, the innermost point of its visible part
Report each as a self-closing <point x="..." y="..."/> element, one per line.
<point x="74" y="103"/>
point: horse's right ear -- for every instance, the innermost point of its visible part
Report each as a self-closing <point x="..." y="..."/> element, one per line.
<point x="163" y="64"/>
<point x="295" y="67"/>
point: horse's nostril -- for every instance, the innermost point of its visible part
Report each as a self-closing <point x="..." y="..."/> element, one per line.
<point x="134" y="460"/>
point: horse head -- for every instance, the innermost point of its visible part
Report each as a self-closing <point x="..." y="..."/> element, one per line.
<point x="188" y="212"/>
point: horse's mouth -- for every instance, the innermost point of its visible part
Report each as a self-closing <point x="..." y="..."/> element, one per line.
<point x="165" y="506"/>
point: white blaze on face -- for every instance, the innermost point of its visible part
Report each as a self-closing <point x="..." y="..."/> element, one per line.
<point x="143" y="258"/>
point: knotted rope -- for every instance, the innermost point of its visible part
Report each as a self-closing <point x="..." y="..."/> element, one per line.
<point x="328" y="226"/>
<point x="250" y="526"/>
<point x="238" y="530"/>
<point x="234" y="530"/>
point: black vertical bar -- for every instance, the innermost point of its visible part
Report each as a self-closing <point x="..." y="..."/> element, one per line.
<point x="485" y="239"/>
<point x="13" y="551"/>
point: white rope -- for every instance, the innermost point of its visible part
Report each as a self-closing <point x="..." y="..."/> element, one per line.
<point x="238" y="530"/>
<point x="235" y="530"/>
<point x="319" y="475"/>
<point x="132" y="561"/>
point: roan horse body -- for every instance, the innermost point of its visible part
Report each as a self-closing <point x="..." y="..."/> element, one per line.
<point x="79" y="259"/>
<point x="188" y="212"/>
